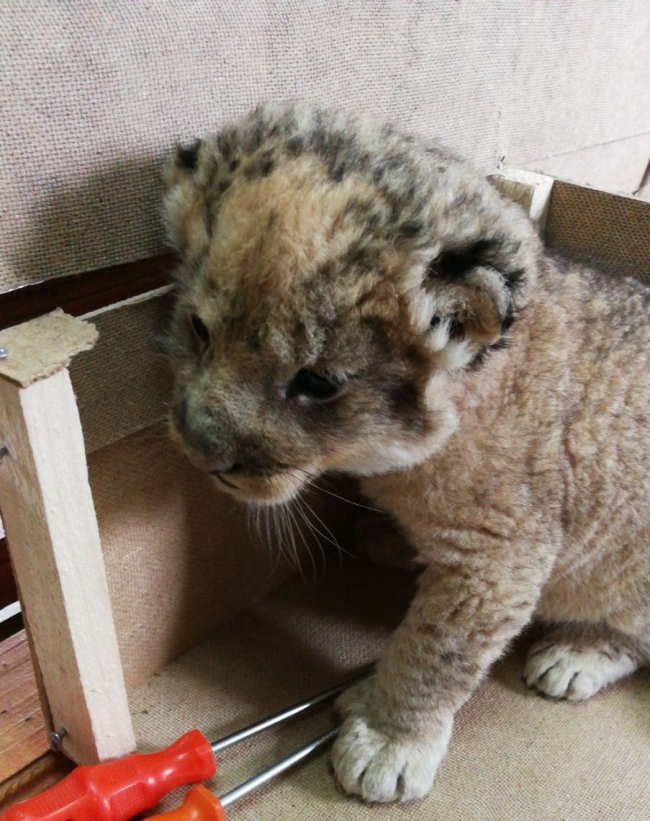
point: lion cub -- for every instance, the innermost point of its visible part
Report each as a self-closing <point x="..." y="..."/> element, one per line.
<point x="352" y="299"/>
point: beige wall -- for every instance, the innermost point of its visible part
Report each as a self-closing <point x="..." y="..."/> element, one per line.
<point x="94" y="94"/>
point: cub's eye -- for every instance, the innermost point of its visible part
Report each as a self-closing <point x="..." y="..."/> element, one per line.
<point x="200" y="329"/>
<point x="313" y="385"/>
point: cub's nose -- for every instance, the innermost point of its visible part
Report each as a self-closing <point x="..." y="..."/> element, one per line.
<point x="212" y="442"/>
<point x="201" y="434"/>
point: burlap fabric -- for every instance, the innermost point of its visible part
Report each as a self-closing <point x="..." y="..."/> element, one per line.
<point x="93" y="95"/>
<point x="514" y="756"/>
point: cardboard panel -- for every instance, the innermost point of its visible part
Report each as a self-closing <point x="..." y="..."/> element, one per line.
<point x="181" y="557"/>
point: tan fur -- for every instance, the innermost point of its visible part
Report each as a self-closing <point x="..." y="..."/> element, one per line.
<point x="316" y="241"/>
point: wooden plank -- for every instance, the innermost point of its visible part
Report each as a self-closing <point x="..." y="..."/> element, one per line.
<point x="54" y="540"/>
<point x="47" y="771"/>
<point x="23" y="737"/>
<point x="530" y="190"/>
<point x="25" y="748"/>
<point x="8" y="592"/>
<point x="15" y="715"/>
<point x="16" y="676"/>
<point x="121" y="388"/>
<point x="80" y="294"/>
<point x="12" y="653"/>
<point x="9" y="645"/>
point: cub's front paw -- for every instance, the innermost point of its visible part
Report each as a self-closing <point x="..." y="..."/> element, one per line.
<point x="381" y="766"/>
<point x="561" y="670"/>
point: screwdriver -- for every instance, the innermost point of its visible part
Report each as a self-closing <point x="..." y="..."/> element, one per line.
<point x="201" y="805"/>
<point x="118" y="790"/>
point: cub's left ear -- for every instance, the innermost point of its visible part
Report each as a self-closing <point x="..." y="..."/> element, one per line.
<point x="183" y="220"/>
<point x="479" y="284"/>
<point x="186" y="158"/>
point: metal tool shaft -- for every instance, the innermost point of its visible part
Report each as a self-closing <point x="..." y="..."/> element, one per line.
<point x="285" y="764"/>
<point x="285" y="715"/>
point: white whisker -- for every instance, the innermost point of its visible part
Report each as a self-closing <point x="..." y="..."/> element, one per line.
<point x="304" y="541"/>
<point x="312" y="529"/>
<point x="273" y="529"/>
<point x="330" y="537"/>
<point x="311" y="482"/>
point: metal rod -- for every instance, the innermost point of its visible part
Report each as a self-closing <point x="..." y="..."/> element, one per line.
<point x="285" y="764"/>
<point x="285" y="715"/>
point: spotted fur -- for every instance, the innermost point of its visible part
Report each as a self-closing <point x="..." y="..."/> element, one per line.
<point x="493" y="400"/>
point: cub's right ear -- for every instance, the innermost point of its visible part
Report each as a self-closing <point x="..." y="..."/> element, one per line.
<point x="183" y="162"/>
<point x="182" y="209"/>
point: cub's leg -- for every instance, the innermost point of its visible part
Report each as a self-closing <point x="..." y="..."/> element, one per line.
<point x="575" y="661"/>
<point x="378" y="537"/>
<point x="398" y="725"/>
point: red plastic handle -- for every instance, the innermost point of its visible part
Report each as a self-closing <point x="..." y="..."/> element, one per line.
<point x="199" y="805"/>
<point x="118" y="790"/>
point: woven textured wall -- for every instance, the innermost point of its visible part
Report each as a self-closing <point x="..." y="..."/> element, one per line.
<point x="94" y="94"/>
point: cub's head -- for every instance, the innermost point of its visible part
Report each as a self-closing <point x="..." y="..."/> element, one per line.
<point x="336" y="277"/>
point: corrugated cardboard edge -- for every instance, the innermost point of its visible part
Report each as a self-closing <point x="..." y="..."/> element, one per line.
<point x="608" y="231"/>
<point x="43" y="346"/>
